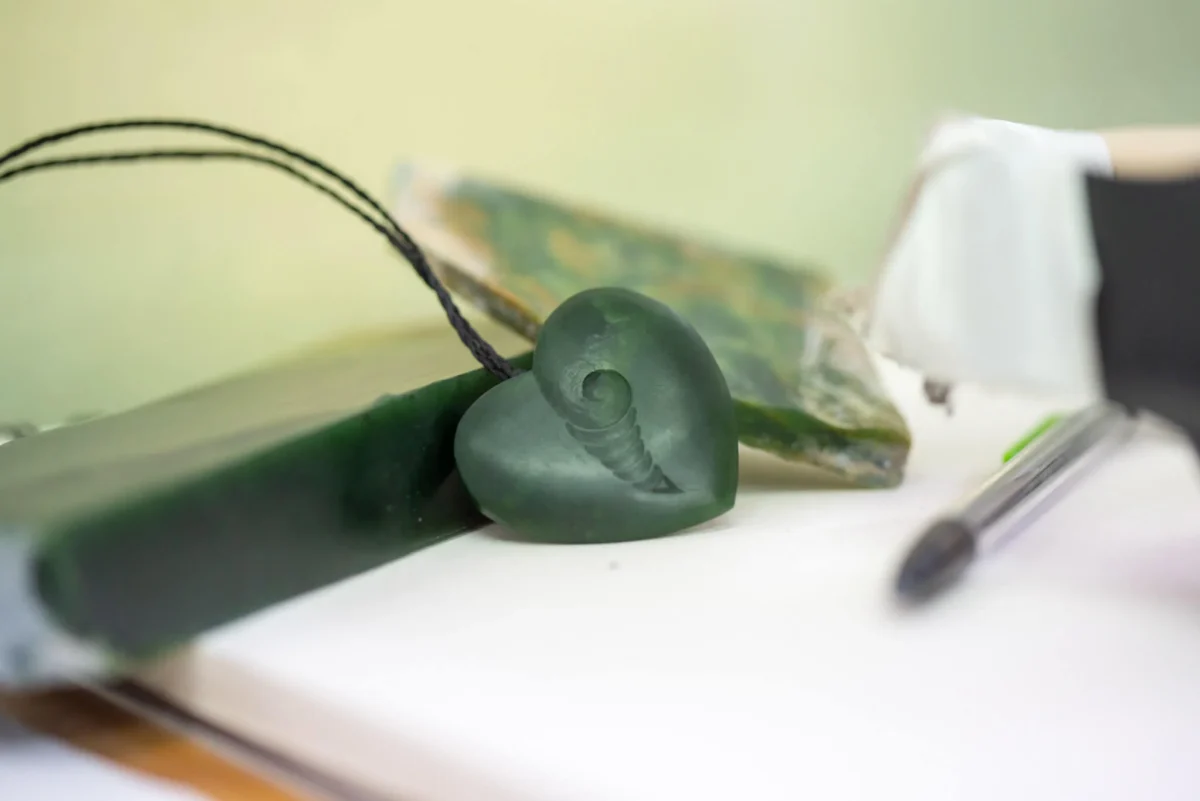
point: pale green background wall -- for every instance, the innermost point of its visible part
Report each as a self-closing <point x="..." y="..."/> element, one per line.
<point x="783" y="124"/>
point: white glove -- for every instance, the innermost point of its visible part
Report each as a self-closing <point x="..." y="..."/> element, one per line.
<point x="992" y="277"/>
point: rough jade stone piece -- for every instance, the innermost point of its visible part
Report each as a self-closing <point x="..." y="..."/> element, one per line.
<point x="624" y="429"/>
<point x="165" y="521"/>
<point x="803" y="385"/>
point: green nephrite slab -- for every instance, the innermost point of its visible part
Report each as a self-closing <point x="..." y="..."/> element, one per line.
<point x="624" y="430"/>
<point x="126" y="536"/>
<point x="803" y="384"/>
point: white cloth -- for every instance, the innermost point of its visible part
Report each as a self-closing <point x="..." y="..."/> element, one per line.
<point x="992" y="277"/>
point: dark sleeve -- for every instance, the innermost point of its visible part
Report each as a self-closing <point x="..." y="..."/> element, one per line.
<point x="1147" y="238"/>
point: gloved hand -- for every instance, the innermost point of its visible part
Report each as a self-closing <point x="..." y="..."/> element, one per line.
<point x="991" y="278"/>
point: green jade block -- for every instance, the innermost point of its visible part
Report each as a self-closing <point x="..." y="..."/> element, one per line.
<point x="149" y="527"/>
<point x="802" y="382"/>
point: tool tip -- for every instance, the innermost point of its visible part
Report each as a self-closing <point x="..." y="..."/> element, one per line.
<point x="941" y="555"/>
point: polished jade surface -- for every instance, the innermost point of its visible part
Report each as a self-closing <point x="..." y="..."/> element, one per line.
<point x="165" y="521"/>
<point x="624" y="429"/>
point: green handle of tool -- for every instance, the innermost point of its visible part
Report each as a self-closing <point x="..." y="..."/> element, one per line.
<point x="1041" y="428"/>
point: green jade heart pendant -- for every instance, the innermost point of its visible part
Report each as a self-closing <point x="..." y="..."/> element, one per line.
<point x="623" y="430"/>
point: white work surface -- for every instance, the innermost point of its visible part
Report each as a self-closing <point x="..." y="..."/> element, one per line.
<point x="34" y="767"/>
<point x="761" y="657"/>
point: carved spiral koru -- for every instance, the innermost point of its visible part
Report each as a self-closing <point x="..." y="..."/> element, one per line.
<point x="578" y="366"/>
<point x="604" y="420"/>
